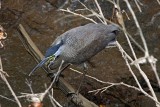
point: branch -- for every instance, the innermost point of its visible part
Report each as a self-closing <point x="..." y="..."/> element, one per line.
<point x="116" y="84"/>
<point x="76" y="14"/>
<point x="7" y="83"/>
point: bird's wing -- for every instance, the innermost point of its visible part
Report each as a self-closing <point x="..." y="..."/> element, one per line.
<point x="54" y="48"/>
<point x="51" y="53"/>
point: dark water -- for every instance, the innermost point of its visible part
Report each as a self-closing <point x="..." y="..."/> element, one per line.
<point x="44" y="23"/>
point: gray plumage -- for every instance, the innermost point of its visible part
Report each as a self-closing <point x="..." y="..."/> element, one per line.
<point x="80" y="44"/>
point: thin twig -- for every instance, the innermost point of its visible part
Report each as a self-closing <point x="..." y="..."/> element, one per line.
<point x="53" y="100"/>
<point x="138" y="5"/>
<point x="65" y="3"/>
<point x="54" y="80"/>
<point x="29" y="83"/>
<point x="0" y="4"/>
<point x="158" y="2"/>
<point x="93" y="12"/>
<point x="7" y="98"/>
<point x="139" y="28"/>
<point x="50" y="95"/>
<point x="154" y="68"/>
<point x="153" y="19"/>
<point x="8" y="85"/>
<point x="100" y="11"/>
<point x="78" y="15"/>
<point x="116" y="84"/>
<point x="146" y="52"/>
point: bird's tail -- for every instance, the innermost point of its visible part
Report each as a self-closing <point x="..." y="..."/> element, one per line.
<point x="44" y="60"/>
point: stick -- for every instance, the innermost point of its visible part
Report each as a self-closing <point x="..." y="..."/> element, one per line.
<point x="8" y="85"/>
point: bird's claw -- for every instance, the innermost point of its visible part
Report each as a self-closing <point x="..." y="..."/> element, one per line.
<point x="74" y="96"/>
<point x="50" y="59"/>
<point x="71" y="94"/>
<point x="55" y="76"/>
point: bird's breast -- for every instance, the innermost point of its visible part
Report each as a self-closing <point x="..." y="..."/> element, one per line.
<point x="82" y="49"/>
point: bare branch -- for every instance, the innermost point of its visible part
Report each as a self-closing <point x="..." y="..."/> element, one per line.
<point x="100" y="11"/>
<point x="116" y="84"/>
<point x="7" y="98"/>
<point x="7" y="83"/>
<point x="139" y="28"/>
<point x="78" y="15"/>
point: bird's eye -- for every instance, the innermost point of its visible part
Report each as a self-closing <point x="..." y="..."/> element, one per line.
<point x="115" y="32"/>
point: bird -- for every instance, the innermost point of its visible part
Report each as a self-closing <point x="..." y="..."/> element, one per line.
<point x="78" y="45"/>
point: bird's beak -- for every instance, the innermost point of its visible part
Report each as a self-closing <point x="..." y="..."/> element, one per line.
<point x="112" y="43"/>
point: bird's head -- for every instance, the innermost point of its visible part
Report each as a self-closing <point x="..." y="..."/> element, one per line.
<point x="112" y="33"/>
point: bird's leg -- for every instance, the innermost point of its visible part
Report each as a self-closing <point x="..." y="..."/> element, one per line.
<point x="75" y="94"/>
<point x="83" y="77"/>
<point x="56" y="75"/>
<point x="51" y="60"/>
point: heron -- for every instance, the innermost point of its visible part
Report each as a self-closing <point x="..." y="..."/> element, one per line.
<point x="78" y="45"/>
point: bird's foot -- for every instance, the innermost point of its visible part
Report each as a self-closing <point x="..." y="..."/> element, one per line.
<point x="50" y="60"/>
<point x="71" y="94"/>
<point x="55" y="76"/>
<point x="75" y="96"/>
